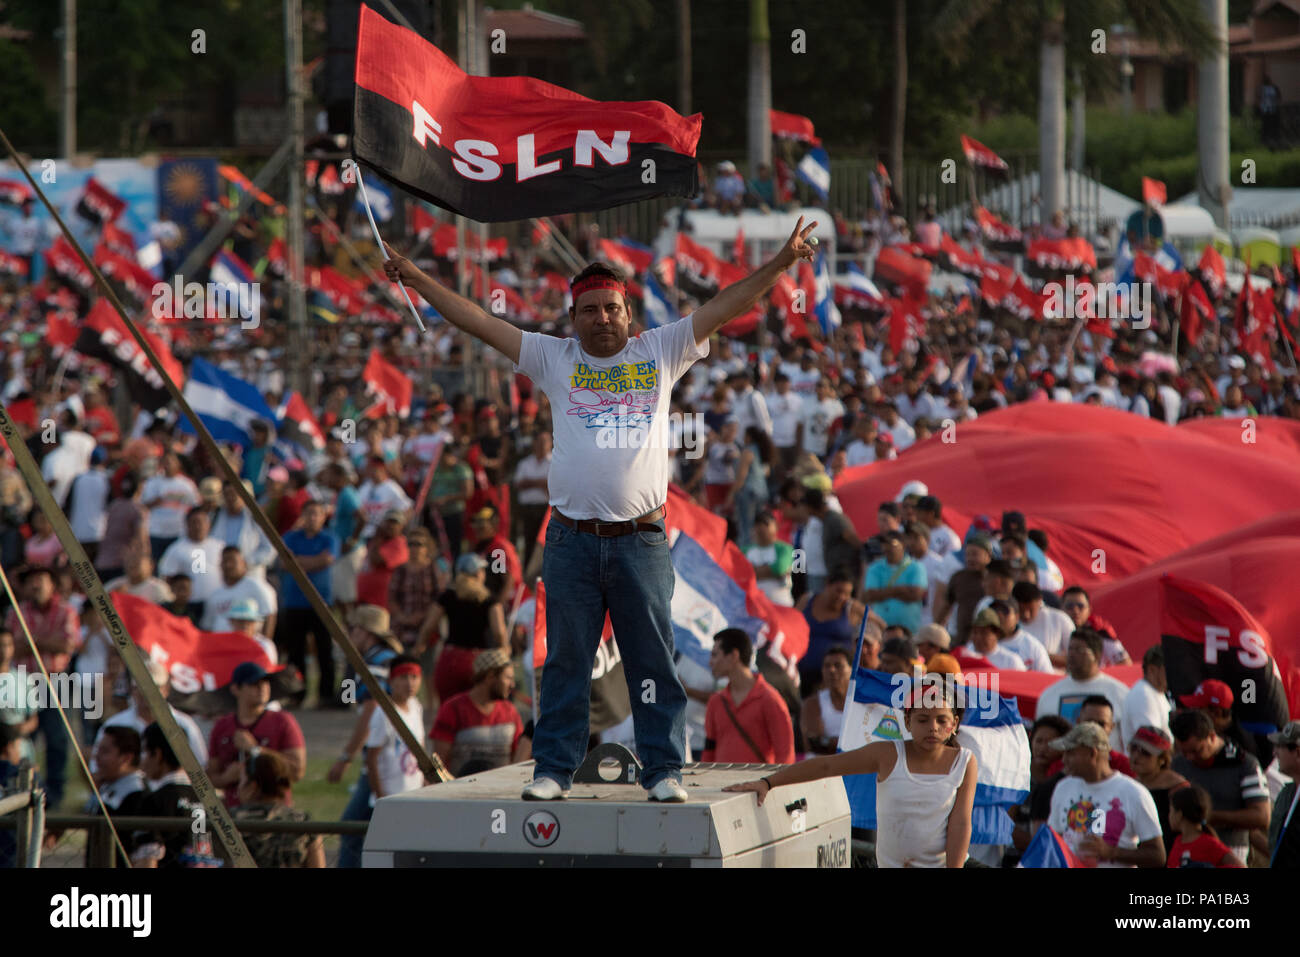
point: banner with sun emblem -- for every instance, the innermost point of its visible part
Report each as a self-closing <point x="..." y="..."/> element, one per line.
<point x="185" y="187"/>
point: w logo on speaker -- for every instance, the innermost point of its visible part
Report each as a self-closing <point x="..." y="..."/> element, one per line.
<point x="541" y="829"/>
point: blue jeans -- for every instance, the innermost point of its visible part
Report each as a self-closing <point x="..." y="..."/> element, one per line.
<point x="358" y="809"/>
<point x="56" y="756"/>
<point x="631" y="577"/>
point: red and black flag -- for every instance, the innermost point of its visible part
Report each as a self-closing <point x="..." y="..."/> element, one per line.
<point x="104" y="336"/>
<point x="1207" y="634"/>
<point x="998" y="234"/>
<point x="610" y="703"/>
<point x="11" y="265"/>
<point x="1213" y="271"/>
<point x="977" y="154"/>
<point x="64" y="262"/>
<point x="389" y="385"/>
<point x="98" y="204"/>
<point x="507" y="148"/>
<point x="14" y="193"/>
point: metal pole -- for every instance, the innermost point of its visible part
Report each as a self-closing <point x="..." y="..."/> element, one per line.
<point x="68" y="82"/>
<point x="684" y="57"/>
<point x="299" y="372"/>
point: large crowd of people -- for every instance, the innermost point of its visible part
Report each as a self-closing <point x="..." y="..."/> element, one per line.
<point x="421" y="533"/>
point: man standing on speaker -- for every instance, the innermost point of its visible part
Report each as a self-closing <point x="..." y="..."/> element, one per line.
<point x="606" y="545"/>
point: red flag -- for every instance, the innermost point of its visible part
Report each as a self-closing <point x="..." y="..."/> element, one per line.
<point x="1153" y="192"/>
<point x="297" y="424"/>
<point x="507" y="148"/>
<point x="697" y="263"/>
<point x="629" y="259"/>
<point x="11" y="265"/>
<point x="1023" y="301"/>
<point x="977" y="154"/>
<point x="391" y="388"/>
<point x="1196" y="310"/>
<point x="1062" y="255"/>
<point x="957" y="259"/>
<point x="995" y="231"/>
<point x="900" y="269"/>
<point x="61" y="330"/>
<point x="99" y="204"/>
<point x="137" y="280"/>
<point x="784" y="297"/>
<point x="1213" y="271"/>
<point x="104" y="336"/>
<point x="118" y="240"/>
<point x="738" y="254"/>
<point x="792" y="126"/>
<point x="64" y="262"/>
<point x="1206" y="634"/>
<point x="14" y="193"/>
<point x="905" y="323"/>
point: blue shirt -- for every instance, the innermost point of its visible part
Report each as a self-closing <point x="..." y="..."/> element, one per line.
<point x="291" y="595"/>
<point x="376" y="660"/>
<point x="892" y="610"/>
<point x="347" y="521"/>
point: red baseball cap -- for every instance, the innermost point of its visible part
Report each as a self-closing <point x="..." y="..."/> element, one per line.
<point x="885" y="437"/>
<point x="1208" y="694"/>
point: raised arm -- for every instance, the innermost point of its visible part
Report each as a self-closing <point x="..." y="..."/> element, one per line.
<point x="462" y="313"/>
<point x="740" y="296"/>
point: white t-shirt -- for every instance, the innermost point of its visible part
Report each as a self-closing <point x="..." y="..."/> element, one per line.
<point x="610" y="417"/>
<point x="530" y="468"/>
<point x="859" y="453"/>
<point x="785" y="411"/>
<point x="1052" y="627"/>
<point x="777" y="589"/>
<point x="1030" y="649"/>
<point x="944" y="541"/>
<point x="1000" y="657"/>
<point x="813" y="549"/>
<point x="1065" y="697"/>
<point x="803" y="382"/>
<point x="1144" y="705"/>
<point x="425" y="445"/>
<point x="200" y="560"/>
<point x="375" y="500"/>
<point x="398" y="769"/>
<point x="938" y="569"/>
<point x="902" y="433"/>
<point x="1119" y="810"/>
<point x="218" y="604"/>
<point x="167" y="520"/>
<point x="89" y="505"/>
<point x="818" y="417"/>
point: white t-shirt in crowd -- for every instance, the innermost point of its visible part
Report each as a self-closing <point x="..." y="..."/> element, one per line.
<point x="425" y="445"/>
<point x="167" y="520"/>
<point x="777" y="589"/>
<point x="1030" y="649"/>
<point x="923" y="407"/>
<point x="1172" y="401"/>
<point x="398" y="769"/>
<point x="89" y="505"/>
<point x="1143" y="706"/>
<point x="859" y="453"/>
<point x="785" y="411"/>
<point x="200" y="560"/>
<point x="1052" y="627"/>
<point x="999" y="657"/>
<point x="803" y="382"/>
<point x="818" y="417"/>
<point x="1065" y="697"/>
<point x="938" y="569"/>
<point x="375" y="500"/>
<point x="944" y="541"/>
<point x="902" y="433"/>
<point x="610" y="418"/>
<point x="813" y="548"/>
<point x="218" y="604"/>
<point x="530" y="469"/>
<point x="1118" y="809"/>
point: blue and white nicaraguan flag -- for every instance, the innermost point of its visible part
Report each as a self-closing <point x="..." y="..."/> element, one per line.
<point x="815" y="170"/>
<point x="654" y="303"/>
<point x="828" y="314"/>
<point x="227" y="405"/>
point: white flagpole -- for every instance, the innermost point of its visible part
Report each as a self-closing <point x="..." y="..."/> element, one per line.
<point x="365" y="200"/>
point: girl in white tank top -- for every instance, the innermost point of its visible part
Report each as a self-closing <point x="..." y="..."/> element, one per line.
<point x="925" y="787"/>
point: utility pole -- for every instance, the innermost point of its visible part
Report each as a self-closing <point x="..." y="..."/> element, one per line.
<point x="760" y="87"/>
<point x="299" y="340"/>
<point x="1212" y="118"/>
<point x="68" y="82"/>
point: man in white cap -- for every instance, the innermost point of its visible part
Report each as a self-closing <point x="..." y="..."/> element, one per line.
<point x="246" y="619"/>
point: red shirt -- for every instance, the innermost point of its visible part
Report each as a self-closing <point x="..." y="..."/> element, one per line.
<point x="764" y="717"/>
<point x="57" y="620"/>
<point x="372" y="581"/>
<point x="502" y="547"/>
<point x="277" y="730"/>
<point x="290" y="508"/>
<point x="1205" y="851"/>
<point x="490" y="737"/>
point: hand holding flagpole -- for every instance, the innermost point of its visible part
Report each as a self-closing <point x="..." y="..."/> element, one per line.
<point x="356" y="171"/>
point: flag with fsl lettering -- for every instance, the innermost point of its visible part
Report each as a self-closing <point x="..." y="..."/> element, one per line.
<point x="99" y="204"/>
<point x="104" y="336"/>
<point x="507" y="148"/>
<point x="1207" y="634"/>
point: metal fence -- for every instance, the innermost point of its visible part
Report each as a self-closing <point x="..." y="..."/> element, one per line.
<point x="82" y="841"/>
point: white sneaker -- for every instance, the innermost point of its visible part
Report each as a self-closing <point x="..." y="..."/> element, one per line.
<point x="544" y="789"/>
<point x="668" y="791"/>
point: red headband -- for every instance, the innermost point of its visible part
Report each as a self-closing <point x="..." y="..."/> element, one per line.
<point x="597" y="282"/>
<point x="405" y="668"/>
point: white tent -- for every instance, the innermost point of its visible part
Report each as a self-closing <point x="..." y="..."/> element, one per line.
<point x="1266" y="206"/>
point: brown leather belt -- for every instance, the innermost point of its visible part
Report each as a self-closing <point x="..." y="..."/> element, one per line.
<point x="612" y="529"/>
